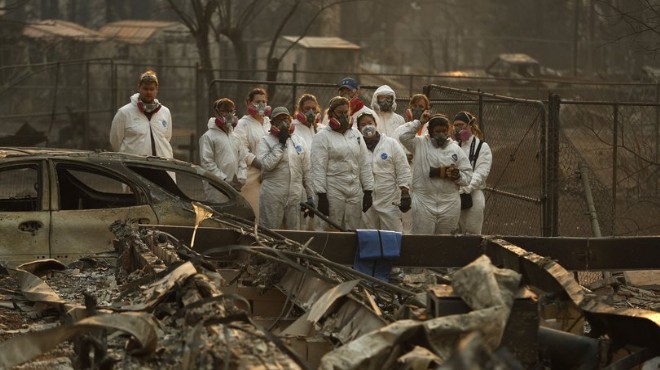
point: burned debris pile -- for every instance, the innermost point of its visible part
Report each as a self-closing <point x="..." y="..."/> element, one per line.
<point x="265" y="301"/>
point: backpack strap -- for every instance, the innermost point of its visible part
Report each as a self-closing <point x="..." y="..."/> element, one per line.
<point x="474" y="155"/>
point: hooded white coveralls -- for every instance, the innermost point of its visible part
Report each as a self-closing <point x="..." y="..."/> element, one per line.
<point x="472" y="219"/>
<point x="131" y="131"/>
<point x="436" y="205"/>
<point x="250" y="131"/>
<point x="341" y="168"/>
<point x="307" y="134"/>
<point x="391" y="171"/>
<point x="222" y="154"/>
<point x="285" y="177"/>
<point x="388" y="121"/>
<point x="326" y="119"/>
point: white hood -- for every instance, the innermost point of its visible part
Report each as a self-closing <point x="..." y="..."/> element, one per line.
<point x="383" y="90"/>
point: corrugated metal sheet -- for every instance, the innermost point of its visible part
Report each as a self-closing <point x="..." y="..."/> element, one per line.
<point x="313" y="42"/>
<point x="59" y="28"/>
<point x="134" y="31"/>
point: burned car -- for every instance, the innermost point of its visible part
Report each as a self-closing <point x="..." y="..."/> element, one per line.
<point x="59" y="203"/>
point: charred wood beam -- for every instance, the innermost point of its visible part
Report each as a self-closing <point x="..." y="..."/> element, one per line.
<point x="621" y="253"/>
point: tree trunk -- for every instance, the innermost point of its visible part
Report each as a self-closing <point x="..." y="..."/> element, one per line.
<point x="205" y="59"/>
<point x="240" y="49"/>
<point x="271" y="75"/>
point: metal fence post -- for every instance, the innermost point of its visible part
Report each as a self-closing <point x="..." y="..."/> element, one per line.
<point x="198" y="109"/>
<point x="480" y="113"/>
<point x="551" y="215"/>
<point x="113" y="86"/>
<point x="87" y="106"/>
<point x="294" y="88"/>
<point x="615" y="153"/>
<point x="410" y="85"/>
<point x="657" y="133"/>
<point x="54" y="107"/>
<point x="544" y="163"/>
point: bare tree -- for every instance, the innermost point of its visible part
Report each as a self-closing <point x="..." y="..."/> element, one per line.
<point x="638" y="20"/>
<point x="197" y="15"/>
<point x="233" y="20"/>
<point x="9" y="6"/>
<point x="273" y="61"/>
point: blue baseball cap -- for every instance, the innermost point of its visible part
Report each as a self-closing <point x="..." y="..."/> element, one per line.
<point x="349" y="83"/>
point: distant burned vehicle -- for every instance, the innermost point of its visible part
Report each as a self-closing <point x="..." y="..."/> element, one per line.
<point x="521" y="69"/>
<point x="59" y="203"/>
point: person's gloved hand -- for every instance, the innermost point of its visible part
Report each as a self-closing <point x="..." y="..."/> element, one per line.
<point x="453" y="172"/>
<point x="465" y="189"/>
<point x="324" y="205"/>
<point x="236" y="184"/>
<point x="256" y="164"/>
<point x="406" y="201"/>
<point x="306" y="211"/>
<point x="283" y="136"/>
<point x="426" y="116"/>
<point x="367" y="201"/>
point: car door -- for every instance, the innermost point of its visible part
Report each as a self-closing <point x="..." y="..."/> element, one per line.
<point x="86" y="200"/>
<point x="24" y="214"/>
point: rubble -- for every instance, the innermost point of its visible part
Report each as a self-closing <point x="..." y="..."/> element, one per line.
<point x="265" y="301"/>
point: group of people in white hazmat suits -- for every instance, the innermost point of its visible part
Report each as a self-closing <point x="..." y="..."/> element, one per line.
<point x="361" y="167"/>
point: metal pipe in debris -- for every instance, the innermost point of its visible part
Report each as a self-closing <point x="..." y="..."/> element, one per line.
<point x="589" y="198"/>
<point x="322" y="216"/>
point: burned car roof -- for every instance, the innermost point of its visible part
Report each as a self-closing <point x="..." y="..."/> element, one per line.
<point x="9" y="152"/>
<point x="59" y="203"/>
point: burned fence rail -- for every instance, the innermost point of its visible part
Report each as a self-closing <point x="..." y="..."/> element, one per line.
<point x="595" y="254"/>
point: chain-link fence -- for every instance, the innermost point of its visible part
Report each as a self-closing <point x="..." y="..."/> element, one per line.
<point x="514" y="129"/>
<point x="73" y="103"/>
<point x="618" y="144"/>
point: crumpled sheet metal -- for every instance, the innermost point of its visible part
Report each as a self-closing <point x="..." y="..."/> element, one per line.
<point x="629" y="325"/>
<point x="487" y="289"/>
<point x="155" y="292"/>
<point x="349" y="319"/>
<point x="226" y="336"/>
<point x="41" y="266"/>
<point x="20" y="349"/>
<point x="419" y="358"/>
<point x="36" y="290"/>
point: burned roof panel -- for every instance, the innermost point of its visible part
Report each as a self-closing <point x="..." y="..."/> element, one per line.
<point x="134" y="31"/>
<point x="313" y="42"/>
<point x="57" y="28"/>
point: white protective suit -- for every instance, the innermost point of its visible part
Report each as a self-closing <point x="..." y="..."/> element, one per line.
<point x="285" y="177"/>
<point x="250" y="131"/>
<point x="391" y="171"/>
<point x="307" y="134"/>
<point x="472" y="219"/>
<point x="388" y="121"/>
<point x="326" y="119"/>
<point x="436" y="205"/>
<point x="131" y="131"/>
<point x="341" y="168"/>
<point x="222" y="153"/>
